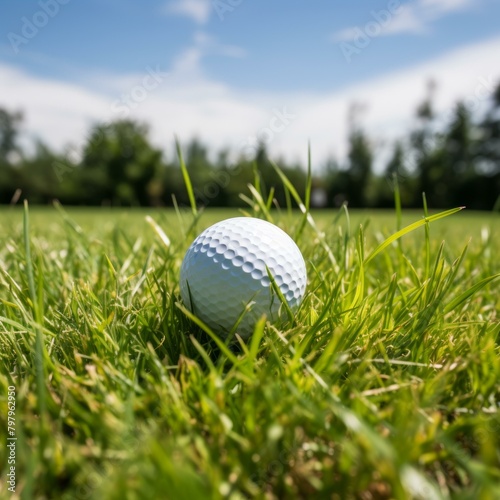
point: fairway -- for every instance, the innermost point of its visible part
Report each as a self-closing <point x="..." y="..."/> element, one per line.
<point x="384" y="385"/>
<point x="97" y="221"/>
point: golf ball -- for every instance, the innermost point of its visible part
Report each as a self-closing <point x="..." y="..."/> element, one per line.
<point x="224" y="272"/>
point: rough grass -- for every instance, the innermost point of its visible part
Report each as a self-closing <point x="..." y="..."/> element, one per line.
<point x="385" y="386"/>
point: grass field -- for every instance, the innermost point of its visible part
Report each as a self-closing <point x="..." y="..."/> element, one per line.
<point x="386" y="385"/>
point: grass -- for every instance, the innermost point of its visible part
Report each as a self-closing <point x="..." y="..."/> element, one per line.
<point x="387" y="385"/>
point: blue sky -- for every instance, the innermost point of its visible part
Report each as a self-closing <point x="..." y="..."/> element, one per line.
<point x="225" y="68"/>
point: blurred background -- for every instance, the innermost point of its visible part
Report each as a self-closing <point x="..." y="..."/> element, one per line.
<point x="93" y="94"/>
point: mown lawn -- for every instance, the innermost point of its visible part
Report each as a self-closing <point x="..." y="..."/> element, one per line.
<point x="386" y="385"/>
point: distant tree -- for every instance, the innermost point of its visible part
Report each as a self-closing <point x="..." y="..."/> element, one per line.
<point x="240" y="174"/>
<point x="458" y="164"/>
<point x="39" y="180"/>
<point x="269" y="179"/>
<point x="489" y="147"/>
<point x="197" y="161"/>
<point x="119" y="165"/>
<point x="458" y="157"/>
<point x="360" y="159"/>
<point x="459" y="142"/>
<point x="208" y="187"/>
<point x="336" y="184"/>
<point x="350" y="183"/>
<point x="395" y="172"/>
<point x="9" y="176"/>
<point x="9" y="130"/>
<point x="487" y="181"/>
<point x="426" y="154"/>
<point x="396" y="165"/>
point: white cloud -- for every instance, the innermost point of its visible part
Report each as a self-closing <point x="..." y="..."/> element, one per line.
<point x="433" y="9"/>
<point x="198" y="10"/>
<point x="185" y="102"/>
<point x="190" y="60"/>
<point x="209" y="45"/>
<point x="409" y="18"/>
<point x="414" y="17"/>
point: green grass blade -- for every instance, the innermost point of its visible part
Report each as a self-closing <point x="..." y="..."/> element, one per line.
<point x="279" y="293"/>
<point x="360" y="287"/>
<point x="469" y="293"/>
<point x="306" y="214"/>
<point x="427" y="240"/>
<point x="307" y="196"/>
<point x="39" y="341"/>
<point x="397" y="200"/>
<point x="261" y="204"/>
<point x="158" y="230"/>
<point x="220" y="344"/>
<point x="409" y="229"/>
<point x="187" y="179"/>
<point x="29" y="262"/>
<point x="256" y="338"/>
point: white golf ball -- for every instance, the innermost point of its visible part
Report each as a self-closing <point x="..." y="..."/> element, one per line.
<point x="224" y="271"/>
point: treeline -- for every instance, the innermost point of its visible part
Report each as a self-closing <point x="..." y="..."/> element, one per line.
<point x="455" y="164"/>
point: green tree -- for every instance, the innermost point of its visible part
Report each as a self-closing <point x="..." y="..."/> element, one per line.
<point x="489" y="148"/>
<point x="458" y="157"/>
<point x="360" y="159"/>
<point x="459" y="143"/>
<point x="396" y="167"/>
<point x="9" y="175"/>
<point x="395" y="172"/>
<point x="201" y="171"/>
<point x="40" y="180"/>
<point x="487" y="181"/>
<point x="350" y="183"/>
<point x="336" y="183"/>
<point x="427" y="154"/>
<point x="270" y="179"/>
<point x="9" y="130"/>
<point x="119" y="165"/>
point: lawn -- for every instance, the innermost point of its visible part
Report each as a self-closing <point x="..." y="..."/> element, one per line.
<point x="385" y="385"/>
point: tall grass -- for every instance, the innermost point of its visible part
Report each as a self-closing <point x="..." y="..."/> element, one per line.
<point x="384" y="384"/>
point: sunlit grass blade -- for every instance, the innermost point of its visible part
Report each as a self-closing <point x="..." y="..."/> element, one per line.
<point x="29" y="262"/>
<point x="307" y="194"/>
<point x="270" y="199"/>
<point x="261" y="204"/>
<point x="427" y="240"/>
<point x="286" y="182"/>
<point x="460" y="299"/>
<point x="39" y="351"/>
<point x="409" y="229"/>
<point x="158" y="230"/>
<point x="306" y="214"/>
<point x="70" y="223"/>
<point x="257" y="336"/>
<point x="359" y="284"/>
<point x="397" y="200"/>
<point x="186" y="177"/>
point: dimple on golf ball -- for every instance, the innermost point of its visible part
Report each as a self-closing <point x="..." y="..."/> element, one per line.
<point x="224" y="272"/>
